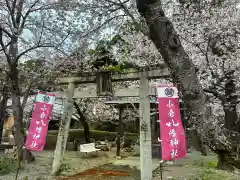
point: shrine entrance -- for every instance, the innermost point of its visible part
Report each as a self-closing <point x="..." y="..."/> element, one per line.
<point x="103" y="81"/>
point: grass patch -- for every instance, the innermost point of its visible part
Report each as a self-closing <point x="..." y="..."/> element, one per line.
<point x="212" y="174"/>
<point x="212" y="164"/>
<point x="205" y="169"/>
<point x="7" y="165"/>
<point x="205" y="162"/>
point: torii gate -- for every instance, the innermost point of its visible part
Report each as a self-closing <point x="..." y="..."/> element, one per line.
<point x="104" y="81"/>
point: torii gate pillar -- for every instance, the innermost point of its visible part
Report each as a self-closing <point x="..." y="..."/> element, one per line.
<point x="145" y="129"/>
<point x="63" y="129"/>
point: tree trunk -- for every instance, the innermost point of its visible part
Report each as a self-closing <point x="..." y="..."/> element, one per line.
<point x="84" y="123"/>
<point x="199" y="144"/>
<point x="18" y="131"/>
<point x="230" y="103"/>
<point x="165" y="38"/>
<point x="3" y="110"/>
<point x="224" y="161"/>
<point x="231" y="121"/>
<point x="16" y="94"/>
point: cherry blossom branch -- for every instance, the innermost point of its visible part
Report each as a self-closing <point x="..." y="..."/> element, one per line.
<point x="205" y="53"/>
<point x="102" y="25"/>
<point x="215" y="93"/>
<point x="207" y="58"/>
<point x="126" y="10"/>
<point x="11" y="11"/>
<point x="27" y="14"/>
<point x="5" y="31"/>
<point x="26" y="94"/>
<point x="4" y="46"/>
<point x="19" y="13"/>
<point x="39" y="45"/>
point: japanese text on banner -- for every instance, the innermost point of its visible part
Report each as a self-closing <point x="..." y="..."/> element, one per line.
<point x="172" y="135"/>
<point x="39" y="123"/>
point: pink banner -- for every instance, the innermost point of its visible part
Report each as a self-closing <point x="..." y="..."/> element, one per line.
<point x="172" y="134"/>
<point x="38" y="128"/>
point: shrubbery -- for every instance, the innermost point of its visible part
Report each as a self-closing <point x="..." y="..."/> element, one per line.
<point x="79" y="134"/>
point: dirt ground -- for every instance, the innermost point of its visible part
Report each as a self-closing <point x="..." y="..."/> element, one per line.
<point x="77" y="167"/>
<point x="74" y="162"/>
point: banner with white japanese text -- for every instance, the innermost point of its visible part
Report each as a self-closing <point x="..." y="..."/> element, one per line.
<point x="172" y="135"/>
<point x="38" y="128"/>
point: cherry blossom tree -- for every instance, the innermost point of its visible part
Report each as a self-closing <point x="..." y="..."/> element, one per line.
<point x="208" y="39"/>
<point x="211" y="38"/>
<point x="33" y="30"/>
<point x="202" y="48"/>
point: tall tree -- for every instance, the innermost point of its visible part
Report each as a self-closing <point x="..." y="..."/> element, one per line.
<point x="210" y="35"/>
<point x="26" y="27"/>
<point x="165" y="38"/>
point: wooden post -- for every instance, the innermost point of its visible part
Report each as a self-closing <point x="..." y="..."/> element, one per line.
<point x="153" y="124"/>
<point x="104" y="83"/>
<point x="238" y="149"/>
<point x="120" y="130"/>
<point x="145" y="129"/>
<point x="63" y="130"/>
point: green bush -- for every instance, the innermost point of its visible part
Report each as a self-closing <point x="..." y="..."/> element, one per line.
<point x="212" y="164"/>
<point x="79" y="134"/>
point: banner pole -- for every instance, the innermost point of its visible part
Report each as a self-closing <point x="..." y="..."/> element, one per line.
<point x="160" y="147"/>
<point x="161" y="171"/>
